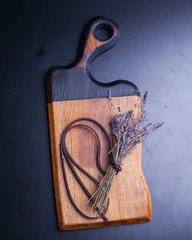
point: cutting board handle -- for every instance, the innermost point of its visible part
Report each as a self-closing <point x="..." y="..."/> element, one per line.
<point x="93" y="46"/>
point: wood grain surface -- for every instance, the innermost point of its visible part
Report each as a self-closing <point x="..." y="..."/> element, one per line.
<point x="129" y="197"/>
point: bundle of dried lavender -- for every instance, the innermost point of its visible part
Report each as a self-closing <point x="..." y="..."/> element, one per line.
<point x="127" y="131"/>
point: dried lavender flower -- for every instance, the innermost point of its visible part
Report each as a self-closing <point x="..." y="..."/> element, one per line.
<point x="127" y="131"/>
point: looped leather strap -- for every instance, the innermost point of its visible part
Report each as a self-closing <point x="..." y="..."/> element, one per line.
<point x="65" y="155"/>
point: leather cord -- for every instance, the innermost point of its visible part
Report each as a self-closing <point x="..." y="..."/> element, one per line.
<point x="65" y="156"/>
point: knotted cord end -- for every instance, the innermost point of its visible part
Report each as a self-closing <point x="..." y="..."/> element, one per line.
<point x="116" y="166"/>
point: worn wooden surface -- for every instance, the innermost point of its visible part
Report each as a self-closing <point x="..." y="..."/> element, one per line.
<point x="129" y="197"/>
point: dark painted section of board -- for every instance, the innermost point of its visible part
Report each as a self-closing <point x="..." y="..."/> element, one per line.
<point x="73" y="82"/>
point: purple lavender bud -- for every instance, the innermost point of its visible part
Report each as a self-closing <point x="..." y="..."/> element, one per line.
<point x="136" y="105"/>
<point x="131" y="112"/>
<point x="109" y="94"/>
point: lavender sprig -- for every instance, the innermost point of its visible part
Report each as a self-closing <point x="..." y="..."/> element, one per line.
<point x="127" y="131"/>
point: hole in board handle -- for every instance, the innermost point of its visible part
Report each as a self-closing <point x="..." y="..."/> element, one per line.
<point x="103" y="32"/>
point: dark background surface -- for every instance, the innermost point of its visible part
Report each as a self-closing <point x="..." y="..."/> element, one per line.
<point x="154" y="52"/>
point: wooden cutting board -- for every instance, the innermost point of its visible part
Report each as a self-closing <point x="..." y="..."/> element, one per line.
<point x="72" y="92"/>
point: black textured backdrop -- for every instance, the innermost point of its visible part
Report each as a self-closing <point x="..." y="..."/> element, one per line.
<point x="154" y="52"/>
